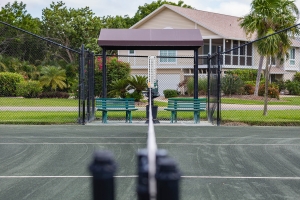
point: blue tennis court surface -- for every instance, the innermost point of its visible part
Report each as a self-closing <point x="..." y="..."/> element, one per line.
<point x="51" y="162"/>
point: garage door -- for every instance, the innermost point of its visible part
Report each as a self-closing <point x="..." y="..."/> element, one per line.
<point x="167" y="81"/>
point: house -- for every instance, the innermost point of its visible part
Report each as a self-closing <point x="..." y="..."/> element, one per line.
<point x="216" y="30"/>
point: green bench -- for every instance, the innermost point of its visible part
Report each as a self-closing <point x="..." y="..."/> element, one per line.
<point x="185" y="105"/>
<point x="115" y="104"/>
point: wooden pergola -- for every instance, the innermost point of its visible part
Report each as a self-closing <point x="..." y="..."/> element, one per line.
<point x="150" y="39"/>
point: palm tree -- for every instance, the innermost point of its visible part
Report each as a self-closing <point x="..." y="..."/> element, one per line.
<point x="54" y="77"/>
<point x="138" y="83"/>
<point x="119" y="88"/>
<point x="267" y="17"/>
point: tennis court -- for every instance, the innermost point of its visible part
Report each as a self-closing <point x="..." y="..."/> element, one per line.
<point x="51" y="162"/>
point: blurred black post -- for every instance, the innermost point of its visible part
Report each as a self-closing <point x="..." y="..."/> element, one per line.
<point x="142" y="183"/>
<point x="103" y="169"/>
<point x="167" y="178"/>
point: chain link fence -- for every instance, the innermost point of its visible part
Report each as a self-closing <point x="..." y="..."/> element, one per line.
<point x="241" y="103"/>
<point x="39" y="79"/>
<point x="44" y="82"/>
<point x="174" y="74"/>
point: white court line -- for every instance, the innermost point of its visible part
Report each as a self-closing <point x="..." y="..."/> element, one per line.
<point x="244" y="137"/>
<point x="186" y="177"/>
<point x="242" y="177"/>
<point x="116" y="143"/>
<point x="130" y="176"/>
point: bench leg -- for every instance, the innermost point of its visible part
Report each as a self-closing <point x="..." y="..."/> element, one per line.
<point x="104" y="117"/>
<point x="196" y="117"/>
<point x="173" y="117"/>
<point x="128" y="117"/>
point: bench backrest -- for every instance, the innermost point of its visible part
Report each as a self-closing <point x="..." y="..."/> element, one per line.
<point x="106" y="103"/>
<point x="187" y="103"/>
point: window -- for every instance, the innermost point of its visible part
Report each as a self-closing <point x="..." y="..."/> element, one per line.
<point x="292" y="56"/>
<point x="165" y="54"/>
<point x="273" y="61"/>
<point x="131" y="51"/>
<point x="241" y="56"/>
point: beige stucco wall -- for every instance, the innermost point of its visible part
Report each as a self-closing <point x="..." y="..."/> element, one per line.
<point x="170" y="19"/>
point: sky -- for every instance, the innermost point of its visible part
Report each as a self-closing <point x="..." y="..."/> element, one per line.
<point x="124" y="7"/>
<point x="101" y="8"/>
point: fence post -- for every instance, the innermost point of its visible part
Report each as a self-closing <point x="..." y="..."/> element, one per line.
<point x="219" y="87"/>
<point x="81" y="89"/>
<point x="208" y="87"/>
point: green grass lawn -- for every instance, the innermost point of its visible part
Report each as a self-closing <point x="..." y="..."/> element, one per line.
<point x="288" y="117"/>
<point x="19" y="102"/>
<point x="282" y="101"/>
<point x="255" y="117"/>
<point x="34" y="117"/>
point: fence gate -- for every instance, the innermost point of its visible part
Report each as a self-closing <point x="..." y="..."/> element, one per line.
<point x="214" y="88"/>
<point x="86" y="87"/>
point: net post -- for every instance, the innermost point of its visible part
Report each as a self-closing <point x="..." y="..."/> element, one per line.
<point x="103" y="168"/>
<point x="167" y="178"/>
<point x="142" y="170"/>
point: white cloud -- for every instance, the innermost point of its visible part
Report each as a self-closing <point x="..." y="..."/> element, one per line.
<point x="230" y="8"/>
<point x="122" y="7"/>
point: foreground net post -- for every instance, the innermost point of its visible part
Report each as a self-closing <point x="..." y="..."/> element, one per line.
<point x="143" y="173"/>
<point x="103" y="169"/>
<point x="142" y="182"/>
<point x="167" y="179"/>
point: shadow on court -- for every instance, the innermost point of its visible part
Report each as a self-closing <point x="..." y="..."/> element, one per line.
<point x="51" y="162"/>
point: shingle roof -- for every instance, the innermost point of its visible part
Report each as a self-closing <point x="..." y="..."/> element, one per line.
<point x="150" y="39"/>
<point x="225" y="26"/>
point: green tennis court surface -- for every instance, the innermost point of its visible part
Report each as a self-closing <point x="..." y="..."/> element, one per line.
<point x="50" y="162"/>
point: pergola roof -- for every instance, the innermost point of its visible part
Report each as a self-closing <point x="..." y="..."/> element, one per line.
<point x="150" y="39"/>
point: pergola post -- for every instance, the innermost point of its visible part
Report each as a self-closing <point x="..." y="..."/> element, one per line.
<point x="196" y="74"/>
<point x="104" y="73"/>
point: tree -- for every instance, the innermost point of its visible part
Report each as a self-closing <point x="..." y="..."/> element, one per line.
<point x="12" y="41"/>
<point x="138" y="84"/>
<point x="267" y="17"/>
<point x="16" y="14"/>
<point x="53" y="77"/>
<point x="71" y="27"/>
<point x="119" y="88"/>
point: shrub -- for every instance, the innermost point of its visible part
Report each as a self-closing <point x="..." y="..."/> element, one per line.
<point x="138" y="84"/>
<point x="115" y="70"/>
<point x="8" y="83"/>
<point x="29" y="89"/>
<point x="119" y="88"/>
<point x="273" y="91"/>
<point x="169" y="93"/>
<point x="297" y="77"/>
<point x="249" y="89"/>
<point x="244" y="74"/>
<point x="293" y="87"/>
<point x="61" y="95"/>
<point x="231" y="84"/>
<point x="202" y="86"/>
<point x="136" y="95"/>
